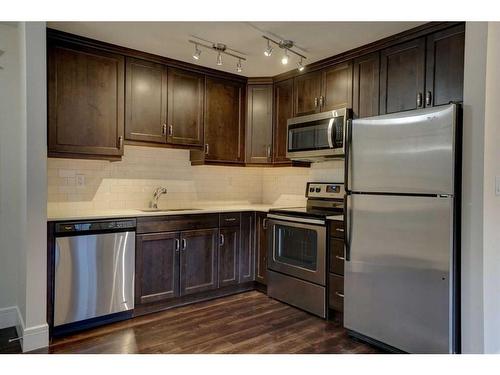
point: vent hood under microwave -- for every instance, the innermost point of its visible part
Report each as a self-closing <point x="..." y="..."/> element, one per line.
<point x="317" y="137"/>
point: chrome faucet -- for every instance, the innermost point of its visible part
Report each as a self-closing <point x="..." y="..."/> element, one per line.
<point x="156" y="195"/>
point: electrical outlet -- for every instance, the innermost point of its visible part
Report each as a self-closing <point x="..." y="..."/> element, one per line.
<point x="497" y="185"/>
<point x="80" y="180"/>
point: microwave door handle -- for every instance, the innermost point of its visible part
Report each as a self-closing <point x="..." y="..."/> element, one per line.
<point x="330" y="133"/>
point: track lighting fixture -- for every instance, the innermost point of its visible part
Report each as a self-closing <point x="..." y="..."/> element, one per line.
<point x="284" y="59"/>
<point x="269" y="50"/>
<point x="197" y="52"/>
<point x="238" y="66"/>
<point x="300" y="65"/>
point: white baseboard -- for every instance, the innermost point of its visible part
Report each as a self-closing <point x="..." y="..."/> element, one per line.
<point x="35" y="337"/>
<point x="8" y="317"/>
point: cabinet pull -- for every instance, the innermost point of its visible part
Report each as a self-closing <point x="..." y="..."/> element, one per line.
<point x="170" y="130"/>
<point x="315" y="102"/>
<point x="120" y="142"/>
<point x="339" y="257"/>
<point x="321" y="101"/>
<point x="264" y="223"/>
<point x="428" y="98"/>
<point x="268" y="151"/>
<point x="164" y="129"/>
<point x="184" y="244"/>
<point x="341" y="295"/>
<point x="177" y="245"/>
<point x="419" y="99"/>
<point x="339" y="230"/>
<point x="221" y="239"/>
<point x="230" y="219"/>
<point x="206" y="148"/>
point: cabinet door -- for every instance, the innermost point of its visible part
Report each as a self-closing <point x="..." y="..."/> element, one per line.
<point x="283" y="110"/>
<point x="229" y="256"/>
<point x="259" y="124"/>
<point x="445" y="66"/>
<point x="198" y="263"/>
<point x="307" y="90"/>
<point x="337" y="87"/>
<point x="85" y="100"/>
<point x="224" y="128"/>
<point x="402" y="70"/>
<point x="146" y="101"/>
<point x="156" y="267"/>
<point x="185" y="107"/>
<point x="247" y="247"/>
<point x="366" y="85"/>
<point x="261" y="248"/>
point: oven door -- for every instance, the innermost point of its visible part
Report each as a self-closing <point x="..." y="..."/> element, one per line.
<point x="298" y="247"/>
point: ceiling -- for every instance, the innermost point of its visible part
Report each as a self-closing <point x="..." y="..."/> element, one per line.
<point x="316" y="40"/>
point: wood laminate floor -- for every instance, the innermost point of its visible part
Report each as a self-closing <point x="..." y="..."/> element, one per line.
<point x="248" y="322"/>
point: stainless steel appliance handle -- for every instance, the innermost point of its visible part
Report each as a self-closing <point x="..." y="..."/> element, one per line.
<point x="330" y="133"/>
<point x="347" y="236"/>
<point x="347" y="144"/>
<point x="296" y="219"/>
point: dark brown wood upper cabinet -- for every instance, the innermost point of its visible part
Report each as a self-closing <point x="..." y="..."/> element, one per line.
<point x="229" y="252"/>
<point x="247" y="247"/>
<point x="259" y="124"/>
<point x="185" y="107"/>
<point x="261" y="244"/>
<point x="402" y="77"/>
<point x="85" y="101"/>
<point x="224" y="126"/>
<point x="366" y="85"/>
<point x="198" y="262"/>
<point x="307" y="92"/>
<point x="157" y="267"/>
<point x="146" y="101"/>
<point x="337" y="87"/>
<point x="445" y="66"/>
<point x="283" y="110"/>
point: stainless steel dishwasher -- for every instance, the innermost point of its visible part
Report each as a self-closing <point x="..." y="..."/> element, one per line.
<point x="94" y="269"/>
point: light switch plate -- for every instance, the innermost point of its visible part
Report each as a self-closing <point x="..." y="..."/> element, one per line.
<point x="497" y="185"/>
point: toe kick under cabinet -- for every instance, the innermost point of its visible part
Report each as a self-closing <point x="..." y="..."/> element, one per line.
<point x="186" y="258"/>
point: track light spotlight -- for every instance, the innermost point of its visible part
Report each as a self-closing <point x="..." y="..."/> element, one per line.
<point x="284" y="59"/>
<point x="300" y="65"/>
<point x="238" y="66"/>
<point x="197" y="52"/>
<point x="219" y="59"/>
<point x="269" y="50"/>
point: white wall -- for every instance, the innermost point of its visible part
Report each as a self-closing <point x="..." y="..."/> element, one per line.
<point x="491" y="202"/>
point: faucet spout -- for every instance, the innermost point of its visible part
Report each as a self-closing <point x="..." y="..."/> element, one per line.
<point x="156" y="196"/>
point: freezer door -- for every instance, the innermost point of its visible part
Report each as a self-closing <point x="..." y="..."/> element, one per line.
<point x="398" y="278"/>
<point x="408" y="152"/>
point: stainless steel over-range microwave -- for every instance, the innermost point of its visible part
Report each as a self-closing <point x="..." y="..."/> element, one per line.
<point x="317" y="137"/>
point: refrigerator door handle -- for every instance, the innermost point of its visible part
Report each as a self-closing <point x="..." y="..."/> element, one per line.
<point x="347" y="237"/>
<point x="347" y="141"/>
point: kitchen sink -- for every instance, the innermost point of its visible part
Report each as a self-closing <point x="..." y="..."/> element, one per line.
<point x="168" y="209"/>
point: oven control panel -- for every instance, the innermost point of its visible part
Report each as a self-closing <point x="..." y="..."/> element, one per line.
<point x="325" y="190"/>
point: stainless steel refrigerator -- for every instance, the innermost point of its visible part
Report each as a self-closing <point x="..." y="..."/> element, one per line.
<point x="402" y="225"/>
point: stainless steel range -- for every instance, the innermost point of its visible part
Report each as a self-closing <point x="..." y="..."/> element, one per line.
<point x="298" y="248"/>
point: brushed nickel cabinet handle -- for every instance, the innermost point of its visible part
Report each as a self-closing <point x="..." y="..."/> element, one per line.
<point x="321" y="101"/>
<point x="230" y="219"/>
<point x="268" y="151"/>
<point x="339" y="257"/>
<point x="206" y="148"/>
<point x="170" y="130"/>
<point x="419" y="99"/>
<point x="120" y="142"/>
<point x="264" y="223"/>
<point x="221" y="239"/>
<point x="177" y="245"/>
<point x="341" y="295"/>
<point x="339" y="230"/>
<point x="164" y="129"/>
<point x="315" y="102"/>
<point x="428" y="98"/>
<point x="184" y="244"/>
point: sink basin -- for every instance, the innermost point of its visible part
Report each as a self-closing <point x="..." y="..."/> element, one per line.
<point x="167" y="209"/>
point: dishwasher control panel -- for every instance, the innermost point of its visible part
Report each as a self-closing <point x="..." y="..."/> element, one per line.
<point x="92" y="226"/>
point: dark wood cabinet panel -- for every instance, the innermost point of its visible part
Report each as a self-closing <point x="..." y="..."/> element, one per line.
<point x="336" y="292"/>
<point x="157" y="267"/>
<point x="402" y="77"/>
<point x="259" y="124"/>
<point x="247" y="247"/>
<point x="337" y="87"/>
<point x="85" y="100"/>
<point x="283" y="110"/>
<point x="366" y="85"/>
<point x="445" y="66"/>
<point x="146" y="101"/>
<point x="185" y="107"/>
<point x="229" y="256"/>
<point x="261" y="244"/>
<point x="224" y="125"/>
<point x="173" y="223"/>
<point x="198" y="261"/>
<point x="307" y="90"/>
<point x="229" y="219"/>
<point x="336" y="256"/>
<point x="337" y="229"/>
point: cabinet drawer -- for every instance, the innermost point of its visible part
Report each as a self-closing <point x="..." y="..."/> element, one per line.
<point x="176" y="223"/>
<point x="336" y="293"/>
<point x="337" y="229"/>
<point x="337" y="256"/>
<point x="230" y="219"/>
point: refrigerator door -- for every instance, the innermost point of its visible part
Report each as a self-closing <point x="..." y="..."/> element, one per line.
<point x="408" y="152"/>
<point x="398" y="280"/>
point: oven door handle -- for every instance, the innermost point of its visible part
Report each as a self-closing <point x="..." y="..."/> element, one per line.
<point x="330" y="133"/>
<point x="296" y="219"/>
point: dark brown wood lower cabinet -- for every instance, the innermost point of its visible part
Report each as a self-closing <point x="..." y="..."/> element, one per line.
<point x="261" y="248"/>
<point x="247" y="247"/>
<point x="229" y="256"/>
<point x="157" y="267"/>
<point x="198" y="260"/>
